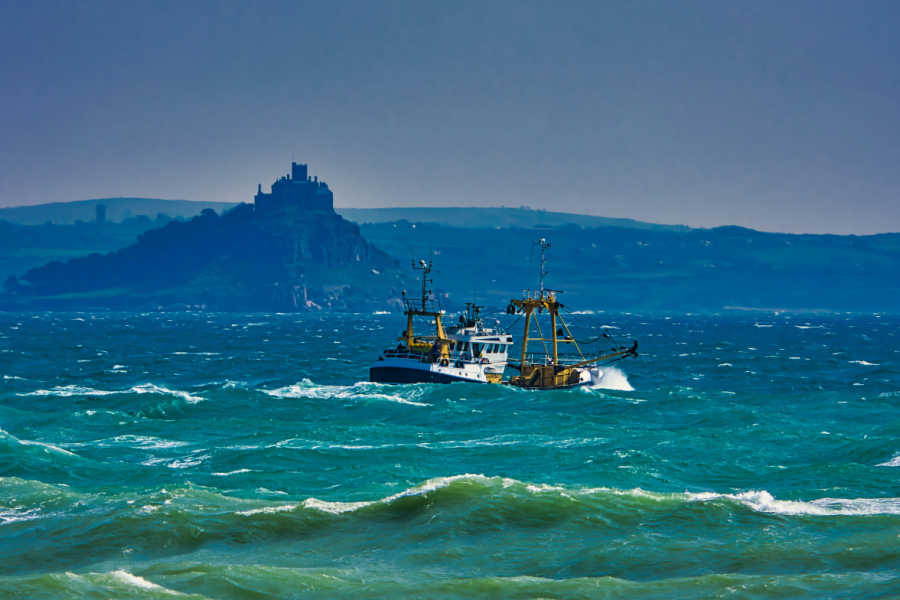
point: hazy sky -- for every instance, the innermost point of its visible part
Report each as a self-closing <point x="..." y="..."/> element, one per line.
<point x="780" y="116"/>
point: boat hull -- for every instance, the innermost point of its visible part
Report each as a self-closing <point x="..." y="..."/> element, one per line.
<point x="387" y="374"/>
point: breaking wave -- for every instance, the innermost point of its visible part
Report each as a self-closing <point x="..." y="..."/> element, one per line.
<point x="361" y="391"/>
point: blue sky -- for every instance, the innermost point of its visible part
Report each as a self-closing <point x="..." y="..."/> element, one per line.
<point x="780" y="116"/>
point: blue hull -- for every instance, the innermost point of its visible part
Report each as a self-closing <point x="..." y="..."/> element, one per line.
<point x="398" y="375"/>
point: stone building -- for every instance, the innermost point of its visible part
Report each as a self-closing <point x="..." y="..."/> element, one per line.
<point x="295" y="189"/>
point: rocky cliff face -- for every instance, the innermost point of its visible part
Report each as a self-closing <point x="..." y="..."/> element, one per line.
<point x="289" y="260"/>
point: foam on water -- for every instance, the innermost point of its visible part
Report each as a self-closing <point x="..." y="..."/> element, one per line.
<point x="146" y="388"/>
<point x="762" y="501"/>
<point x="361" y="390"/>
<point x="894" y="462"/>
<point x="611" y="378"/>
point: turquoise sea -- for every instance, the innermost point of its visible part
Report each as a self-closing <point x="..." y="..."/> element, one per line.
<point x="244" y="456"/>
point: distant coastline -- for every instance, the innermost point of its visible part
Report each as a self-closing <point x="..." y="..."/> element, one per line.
<point x="606" y="264"/>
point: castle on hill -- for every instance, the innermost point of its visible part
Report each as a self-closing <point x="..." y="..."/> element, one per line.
<point x="295" y="189"/>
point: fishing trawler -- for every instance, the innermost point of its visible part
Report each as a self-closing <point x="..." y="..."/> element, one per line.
<point x="554" y="369"/>
<point x="468" y="351"/>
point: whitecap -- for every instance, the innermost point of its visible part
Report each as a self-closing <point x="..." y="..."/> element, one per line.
<point x="867" y="364"/>
<point x="334" y="507"/>
<point x="143" y="442"/>
<point x="542" y="488"/>
<point x="267" y="509"/>
<point x="9" y="515"/>
<point x="149" y="388"/>
<point x="238" y="472"/>
<point x="342" y="507"/>
<point x="762" y="501"/>
<point x="69" y="390"/>
<point x="610" y="378"/>
<point x="187" y="462"/>
<point x="307" y="389"/>
<point x="48" y="446"/>
<point x="140" y="582"/>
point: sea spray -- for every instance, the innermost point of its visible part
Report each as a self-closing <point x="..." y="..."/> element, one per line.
<point x="610" y="378"/>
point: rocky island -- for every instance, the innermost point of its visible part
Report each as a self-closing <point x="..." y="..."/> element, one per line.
<point x="288" y="251"/>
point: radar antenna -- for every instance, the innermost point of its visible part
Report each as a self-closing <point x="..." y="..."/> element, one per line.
<point x="426" y="268"/>
<point x="544" y="244"/>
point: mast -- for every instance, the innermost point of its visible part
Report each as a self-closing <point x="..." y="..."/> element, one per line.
<point x="539" y="300"/>
<point x="425" y="307"/>
<point x="550" y="373"/>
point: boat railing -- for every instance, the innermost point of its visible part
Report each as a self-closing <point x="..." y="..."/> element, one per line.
<point x="545" y="294"/>
<point x="544" y="358"/>
<point x="418" y="305"/>
<point x="426" y="357"/>
<point x="407" y="354"/>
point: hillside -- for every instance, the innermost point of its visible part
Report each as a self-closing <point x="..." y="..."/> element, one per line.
<point x="488" y="218"/>
<point x="631" y="269"/>
<point x="24" y="247"/>
<point x="117" y="209"/>
<point x="291" y="260"/>
<point x="247" y="263"/>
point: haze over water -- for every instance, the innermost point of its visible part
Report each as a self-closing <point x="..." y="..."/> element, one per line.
<point x="244" y="456"/>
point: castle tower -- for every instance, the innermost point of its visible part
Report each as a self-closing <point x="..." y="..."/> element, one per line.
<point x="297" y="189"/>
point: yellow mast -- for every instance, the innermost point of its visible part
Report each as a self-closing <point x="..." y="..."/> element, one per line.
<point x="540" y="375"/>
<point x="425" y="308"/>
<point x="527" y="326"/>
<point x="552" y="374"/>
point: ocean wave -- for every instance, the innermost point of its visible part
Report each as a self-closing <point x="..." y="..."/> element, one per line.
<point x="25" y="500"/>
<point x="610" y="378"/>
<point x="114" y="584"/>
<point x="202" y="580"/>
<point x="142" y="442"/>
<point x="70" y="390"/>
<point x="361" y="390"/>
<point x="174" y="521"/>
<point x="759" y="501"/>
<point x="238" y="472"/>
<point x="146" y="388"/>
<point x="894" y="462"/>
<point x="13" y="440"/>
<point x="762" y="501"/>
<point x="463" y="487"/>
